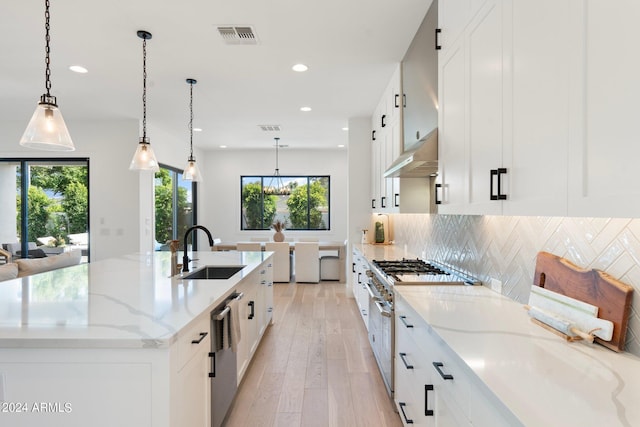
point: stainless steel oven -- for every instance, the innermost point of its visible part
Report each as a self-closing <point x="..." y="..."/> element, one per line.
<point x="383" y="276"/>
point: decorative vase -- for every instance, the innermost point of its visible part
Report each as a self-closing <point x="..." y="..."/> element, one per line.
<point x="278" y="236"/>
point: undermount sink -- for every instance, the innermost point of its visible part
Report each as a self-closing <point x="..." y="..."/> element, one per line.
<point x="214" y="272"/>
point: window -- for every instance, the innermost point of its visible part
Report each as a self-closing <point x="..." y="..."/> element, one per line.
<point x="45" y="206"/>
<point x="301" y="202"/>
<point x="175" y="206"/>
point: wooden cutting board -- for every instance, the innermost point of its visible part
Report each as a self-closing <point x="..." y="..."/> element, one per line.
<point x="611" y="296"/>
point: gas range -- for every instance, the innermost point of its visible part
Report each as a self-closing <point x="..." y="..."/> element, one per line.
<point x="419" y="272"/>
<point x="382" y="277"/>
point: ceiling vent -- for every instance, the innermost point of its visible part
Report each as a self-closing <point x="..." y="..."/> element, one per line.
<point x="238" y="35"/>
<point x="270" y="128"/>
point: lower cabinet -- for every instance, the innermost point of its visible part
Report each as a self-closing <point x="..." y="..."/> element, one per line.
<point x="256" y="311"/>
<point x="359" y="285"/>
<point x="193" y="383"/>
<point x="433" y="387"/>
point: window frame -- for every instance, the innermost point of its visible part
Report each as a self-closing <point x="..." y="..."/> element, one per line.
<point x="266" y="179"/>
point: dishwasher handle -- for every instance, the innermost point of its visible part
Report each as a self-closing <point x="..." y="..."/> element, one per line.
<point x="224" y="312"/>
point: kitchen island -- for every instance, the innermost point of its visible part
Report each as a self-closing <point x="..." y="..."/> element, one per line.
<point x="119" y="342"/>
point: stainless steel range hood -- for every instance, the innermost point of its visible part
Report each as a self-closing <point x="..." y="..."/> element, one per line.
<point x="418" y="162"/>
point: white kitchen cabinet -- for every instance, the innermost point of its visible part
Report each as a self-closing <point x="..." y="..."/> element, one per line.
<point x="433" y="387"/>
<point x="193" y="383"/>
<point x="452" y="177"/>
<point x="386" y="145"/>
<point x="605" y="151"/>
<point x="248" y="323"/>
<point x="505" y="95"/>
<point x="266" y="286"/>
<point x="359" y="285"/>
<point x="453" y="17"/>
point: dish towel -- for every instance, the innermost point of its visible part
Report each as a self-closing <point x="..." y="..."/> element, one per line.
<point x="224" y="332"/>
<point x="234" y="323"/>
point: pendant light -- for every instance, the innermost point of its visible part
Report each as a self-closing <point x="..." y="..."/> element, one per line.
<point x="191" y="171"/>
<point x="276" y="184"/>
<point x="144" y="158"/>
<point x="46" y="129"/>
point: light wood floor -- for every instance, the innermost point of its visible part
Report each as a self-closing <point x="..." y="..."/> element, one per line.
<point x="314" y="366"/>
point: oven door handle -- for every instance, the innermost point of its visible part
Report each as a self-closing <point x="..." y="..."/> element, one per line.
<point x="371" y="294"/>
<point x="381" y="309"/>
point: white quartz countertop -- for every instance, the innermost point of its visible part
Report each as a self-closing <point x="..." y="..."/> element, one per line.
<point x="541" y="378"/>
<point x="117" y="303"/>
<point x="380" y="251"/>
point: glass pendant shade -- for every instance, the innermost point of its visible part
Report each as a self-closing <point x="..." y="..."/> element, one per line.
<point x="192" y="171"/>
<point x="46" y="129"/>
<point x="144" y="157"/>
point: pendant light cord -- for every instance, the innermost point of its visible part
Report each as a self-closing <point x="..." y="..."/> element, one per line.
<point x="47" y="61"/>
<point x="277" y="144"/>
<point x="191" y="120"/>
<point x="144" y="89"/>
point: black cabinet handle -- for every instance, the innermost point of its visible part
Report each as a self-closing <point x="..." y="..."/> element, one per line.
<point x="353" y="267"/>
<point x="395" y="100"/>
<point x="402" y="318"/>
<point x="383" y="202"/>
<point x="438" y="46"/>
<point x="359" y="274"/>
<point x="212" y="374"/>
<point x="495" y="175"/>
<point x="382" y="119"/>
<point x="438" y="201"/>
<point x="373" y="135"/>
<point x="406" y="420"/>
<point x="406" y="365"/>
<point x="202" y="336"/>
<point x="396" y="200"/>
<point x="373" y="203"/>
<point x="427" y="412"/>
<point x="252" y="304"/>
<point x="444" y="376"/>
<point x="501" y="171"/>
<point x="404" y="100"/>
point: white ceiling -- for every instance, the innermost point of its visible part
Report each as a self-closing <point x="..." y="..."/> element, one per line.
<point x="350" y="46"/>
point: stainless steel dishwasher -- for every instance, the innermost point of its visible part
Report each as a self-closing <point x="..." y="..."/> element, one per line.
<point x="224" y="377"/>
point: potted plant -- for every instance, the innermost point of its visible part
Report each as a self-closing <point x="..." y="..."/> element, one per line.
<point x="278" y="226"/>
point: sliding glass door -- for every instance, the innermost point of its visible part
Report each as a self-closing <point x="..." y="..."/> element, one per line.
<point x="45" y="206"/>
<point x="175" y="206"/>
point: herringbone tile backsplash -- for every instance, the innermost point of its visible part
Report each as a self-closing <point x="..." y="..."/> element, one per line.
<point x="505" y="248"/>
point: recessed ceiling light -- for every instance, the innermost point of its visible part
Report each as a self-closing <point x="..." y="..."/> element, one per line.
<point x="305" y="108"/>
<point x="341" y="146"/>
<point x="345" y="128"/>
<point x="78" y="69"/>
<point x="197" y="129"/>
<point x="300" y="68"/>
<point x="223" y="146"/>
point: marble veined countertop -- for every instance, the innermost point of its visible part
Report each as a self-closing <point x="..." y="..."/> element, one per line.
<point x="542" y="379"/>
<point x="125" y="302"/>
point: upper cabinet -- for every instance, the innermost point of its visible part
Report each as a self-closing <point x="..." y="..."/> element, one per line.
<point x="604" y="145"/>
<point x="536" y="112"/>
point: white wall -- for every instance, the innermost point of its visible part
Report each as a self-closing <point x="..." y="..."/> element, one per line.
<point x="221" y="200"/>
<point x="359" y="177"/>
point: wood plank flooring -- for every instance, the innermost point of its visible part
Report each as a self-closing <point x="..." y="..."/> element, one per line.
<point x="314" y="366"/>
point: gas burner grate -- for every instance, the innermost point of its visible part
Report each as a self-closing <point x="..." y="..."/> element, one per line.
<point x="409" y="266"/>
